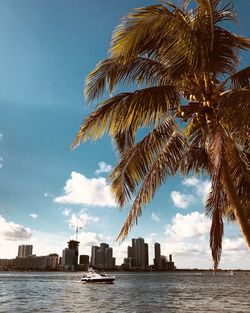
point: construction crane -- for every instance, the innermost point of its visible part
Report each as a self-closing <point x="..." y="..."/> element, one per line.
<point x="77" y="230"/>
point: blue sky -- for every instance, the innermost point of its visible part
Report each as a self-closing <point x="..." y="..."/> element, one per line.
<point x="47" y="49"/>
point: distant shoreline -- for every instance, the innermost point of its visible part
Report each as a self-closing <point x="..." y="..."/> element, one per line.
<point x="131" y="271"/>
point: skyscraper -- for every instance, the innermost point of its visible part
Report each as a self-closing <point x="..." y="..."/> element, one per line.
<point x="102" y="257"/>
<point x="157" y="258"/>
<point x="94" y="250"/>
<point x="74" y="245"/>
<point x="140" y="253"/>
<point x="24" y="251"/>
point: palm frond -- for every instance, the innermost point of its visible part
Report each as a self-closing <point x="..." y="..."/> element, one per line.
<point x="111" y="71"/>
<point x="196" y="158"/>
<point x="215" y="201"/>
<point x="166" y="164"/>
<point x="124" y="140"/>
<point x="136" y="36"/>
<point x="234" y="111"/>
<point x="136" y="162"/>
<point x="241" y="79"/>
<point x="133" y="109"/>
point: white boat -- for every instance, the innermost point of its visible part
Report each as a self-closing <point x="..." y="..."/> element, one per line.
<point x="94" y="277"/>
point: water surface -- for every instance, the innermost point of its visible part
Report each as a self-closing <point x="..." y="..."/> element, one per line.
<point x="131" y="293"/>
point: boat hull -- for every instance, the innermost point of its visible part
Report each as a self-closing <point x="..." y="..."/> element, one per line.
<point x="98" y="280"/>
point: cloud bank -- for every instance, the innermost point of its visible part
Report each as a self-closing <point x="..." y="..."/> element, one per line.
<point x="88" y="191"/>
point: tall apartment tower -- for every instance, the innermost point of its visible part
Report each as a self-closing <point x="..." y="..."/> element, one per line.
<point x="140" y="253"/>
<point x="146" y="254"/>
<point x="157" y="259"/>
<point x="74" y="245"/>
<point x="24" y="251"/>
<point x="94" y="250"/>
<point x="102" y="257"/>
<point x="130" y="252"/>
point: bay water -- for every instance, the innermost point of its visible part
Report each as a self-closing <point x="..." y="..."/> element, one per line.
<point x="131" y="293"/>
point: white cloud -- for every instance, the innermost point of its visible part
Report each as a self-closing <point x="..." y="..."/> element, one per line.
<point x="1" y="136"/>
<point x="33" y="215"/>
<point x="181" y="200"/>
<point x="12" y="231"/>
<point x="187" y="239"/>
<point x="103" y="168"/>
<point x="202" y="188"/>
<point x="194" y="224"/>
<point x="89" y="191"/>
<point x="66" y="212"/>
<point x="155" y="217"/>
<point x="82" y="220"/>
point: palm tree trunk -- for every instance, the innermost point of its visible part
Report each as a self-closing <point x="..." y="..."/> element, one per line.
<point x="243" y="222"/>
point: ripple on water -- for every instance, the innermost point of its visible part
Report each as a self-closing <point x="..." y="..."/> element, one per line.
<point x="131" y="293"/>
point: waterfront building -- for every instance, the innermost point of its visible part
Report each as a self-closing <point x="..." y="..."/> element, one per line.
<point x="140" y="253"/>
<point x="7" y="264"/>
<point x="157" y="248"/>
<point x="146" y="254"/>
<point x="84" y="259"/>
<point x="68" y="259"/>
<point x="137" y="258"/>
<point x="24" y="251"/>
<point x="130" y="252"/>
<point x="53" y="261"/>
<point x="102" y="257"/>
<point x="38" y="263"/>
<point x="94" y="250"/>
<point x="74" y="245"/>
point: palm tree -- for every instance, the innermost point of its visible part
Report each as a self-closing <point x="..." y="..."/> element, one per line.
<point x="183" y="65"/>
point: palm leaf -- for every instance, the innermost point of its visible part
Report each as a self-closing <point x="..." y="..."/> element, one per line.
<point x="136" y="162"/>
<point x="111" y="71"/>
<point x="236" y="103"/>
<point x="241" y="79"/>
<point x="166" y="164"/>
<point x="133" y="109"/>
<point x="215" y="201"/>
<point x="124" y="140"/>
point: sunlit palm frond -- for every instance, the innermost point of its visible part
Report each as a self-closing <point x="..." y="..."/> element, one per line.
<point x="166" y="164"/>
<point x="225" y="56"/>
<point x="241" y="79"/>
<point x="132" y="109"/>
<point x="136" y="162"/>
<point x="196" y="158"/>
<point x="234" y="110"/>
<point x="225" y="14"/>
<point x="109" y="72"/>
<point x="124" y="140"/>
<point x="215" y="201"/>
<point x="136" y="36"/>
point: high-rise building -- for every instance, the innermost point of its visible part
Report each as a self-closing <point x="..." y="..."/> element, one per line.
<point x="74" y="245"/>
<point x="52" y="262"/>
<point x="146" y="254"/>
<point x="157" y="263"/>
<point x="24" y="251"/>
<point x="130" y="252"/>
<point x="140" y="253"/>
<point x="70" y="256"/>
<point x="102" y="257"/>
<point x="84" y="259"/>
<point x="94" y="250"/>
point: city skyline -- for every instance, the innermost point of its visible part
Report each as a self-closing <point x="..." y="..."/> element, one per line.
<point x="46" y="189"/>
<point x="101" y="257"/>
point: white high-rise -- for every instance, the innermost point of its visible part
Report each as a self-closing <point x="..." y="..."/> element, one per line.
<point x="24" y="251"/>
